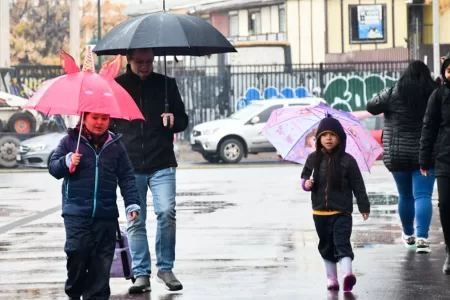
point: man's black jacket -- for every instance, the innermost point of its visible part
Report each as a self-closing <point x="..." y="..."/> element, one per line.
<point x="149" y="144"/>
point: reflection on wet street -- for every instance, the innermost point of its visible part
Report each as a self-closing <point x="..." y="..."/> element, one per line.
<point x="242" y="233"/>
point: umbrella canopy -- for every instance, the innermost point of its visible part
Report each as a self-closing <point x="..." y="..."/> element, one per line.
<point x="85" y="91"/>
<point x="292" y="132"/>
<point x="167" y="34"/>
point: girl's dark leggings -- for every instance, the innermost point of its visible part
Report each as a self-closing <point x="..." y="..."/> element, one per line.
<point x="334" y="236"/>
<point x="443" y="184"/>
<point x="90" y="245"/>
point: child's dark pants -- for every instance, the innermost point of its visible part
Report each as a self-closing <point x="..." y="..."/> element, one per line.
<point x="334" y="233"/>
<point x="90" y="245"/>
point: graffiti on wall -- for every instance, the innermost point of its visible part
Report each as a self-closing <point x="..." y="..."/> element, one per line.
<point x="352" y="92"/>
<point x="254" y="94"/>
<point x="347" y="92"/>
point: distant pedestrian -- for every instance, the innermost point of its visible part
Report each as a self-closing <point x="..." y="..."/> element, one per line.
<point x="333" y="176"/>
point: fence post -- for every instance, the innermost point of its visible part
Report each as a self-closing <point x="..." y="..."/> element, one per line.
<point x="321" y="80"/>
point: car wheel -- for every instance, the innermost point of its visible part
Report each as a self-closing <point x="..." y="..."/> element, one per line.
<point x="212" y="158"/>
<point x="231" y="151"/>
<point x="22" y="122"/>
<point x="9" y="148"/>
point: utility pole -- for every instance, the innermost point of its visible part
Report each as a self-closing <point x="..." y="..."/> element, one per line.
<point x="436" y="43"/>
<point x="75" y="30"/>
<point x="5" y="34"/>
<point x="99" y="30"/>
<point x="74" y="46"/>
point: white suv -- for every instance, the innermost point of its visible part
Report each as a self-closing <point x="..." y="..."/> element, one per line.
<point x="231" y="139"/>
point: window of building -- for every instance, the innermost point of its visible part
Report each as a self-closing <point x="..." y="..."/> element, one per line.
<point x="254" y="22"/>
<point x="367" y="24"/>
<point x="233" y="23"/>
<point x="282" y="18"/>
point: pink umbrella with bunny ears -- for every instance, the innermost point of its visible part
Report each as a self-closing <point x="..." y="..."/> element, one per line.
<point x="83" y="91"/>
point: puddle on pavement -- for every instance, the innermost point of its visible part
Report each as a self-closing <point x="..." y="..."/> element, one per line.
<point x="378" y="201"/>
<point x="45" y="225"/>
<point x="203" y="207"/>
<point x="28" y="233"/>
<point x="34" y="191"/>
<point x="4" y="246"/>
<point x="196" y="193"/>
<point x="382" y="199"/>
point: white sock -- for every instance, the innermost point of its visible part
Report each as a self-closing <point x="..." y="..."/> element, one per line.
<point x="331" y="268"/>
<point x="346" y="265"/>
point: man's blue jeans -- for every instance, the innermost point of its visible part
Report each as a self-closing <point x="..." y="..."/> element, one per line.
<point x="163" y="187"/>
<point x="414" y="201"/>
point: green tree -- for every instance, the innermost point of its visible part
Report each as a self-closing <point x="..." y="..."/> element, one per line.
<point x="40" y="29"/>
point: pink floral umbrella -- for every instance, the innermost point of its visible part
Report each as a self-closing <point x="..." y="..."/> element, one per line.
<point x="292" y="132"/>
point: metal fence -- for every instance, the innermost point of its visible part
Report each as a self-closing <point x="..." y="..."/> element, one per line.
<point x="211" y="93"/>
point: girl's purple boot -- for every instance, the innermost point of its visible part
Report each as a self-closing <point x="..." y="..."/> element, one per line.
<point x="349" y="282"/>
<point x="333" y="285"/>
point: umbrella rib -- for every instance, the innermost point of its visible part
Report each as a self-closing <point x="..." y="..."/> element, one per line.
<point x="182" y="28"/>
<point x="301" y="137"/>
<point x="360" y="150"/>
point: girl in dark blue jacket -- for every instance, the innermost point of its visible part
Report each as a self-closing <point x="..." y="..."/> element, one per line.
<point x="89" y="203"/>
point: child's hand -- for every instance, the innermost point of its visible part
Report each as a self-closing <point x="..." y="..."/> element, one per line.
<point x="365" y="216"/>
<point x="308" y="184"/>
<point x="76" y="159"/>
<point x="132" y="215"/>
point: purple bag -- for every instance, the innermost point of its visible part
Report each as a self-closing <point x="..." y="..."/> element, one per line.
<point x="121" y="266"/>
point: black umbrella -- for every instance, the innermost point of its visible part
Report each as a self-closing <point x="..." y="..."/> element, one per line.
<point x="167" y="34"/>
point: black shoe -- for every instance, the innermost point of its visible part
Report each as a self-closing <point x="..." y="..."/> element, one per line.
<point x="169" y="280"/>
<point x="446" y="267"/>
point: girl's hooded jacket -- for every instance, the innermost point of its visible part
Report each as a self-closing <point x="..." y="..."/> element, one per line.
<point x="335" y="196"/>
<point x="91" y="190"/>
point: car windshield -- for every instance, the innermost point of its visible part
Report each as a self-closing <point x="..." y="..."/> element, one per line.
<point x="247" y="112"/>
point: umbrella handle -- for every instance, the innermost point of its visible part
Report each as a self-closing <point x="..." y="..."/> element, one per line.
<point x="72" y="168"/>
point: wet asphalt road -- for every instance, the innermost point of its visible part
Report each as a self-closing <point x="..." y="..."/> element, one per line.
<point x="243" y="233"/>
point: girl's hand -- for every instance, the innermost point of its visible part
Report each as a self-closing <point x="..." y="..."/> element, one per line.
<point x="424" y="172"/>
<point x="132" y="215"/>
<point x="308" y="184"/>
<point x="76" y="159"/>
<point x="365" y="216"/>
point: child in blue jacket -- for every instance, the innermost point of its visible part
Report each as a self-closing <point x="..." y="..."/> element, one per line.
<point x="89" y="205"/>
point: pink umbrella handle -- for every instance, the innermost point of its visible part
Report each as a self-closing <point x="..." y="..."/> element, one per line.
<point x="72" y="168"/>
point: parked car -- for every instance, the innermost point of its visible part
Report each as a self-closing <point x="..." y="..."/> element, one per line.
<point x="372" y="123"/>
<point x="231" y="139"/>
<point x="36" y="152"/>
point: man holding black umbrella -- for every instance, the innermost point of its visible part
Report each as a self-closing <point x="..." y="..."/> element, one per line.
<point x="150" y="147"/>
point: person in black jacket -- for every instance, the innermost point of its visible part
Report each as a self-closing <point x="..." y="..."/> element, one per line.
<point x="435" y="150"/>
<point x="404" y="107"/>
<point x="440" y="80"/>
<point x="150" y="146"/>
<point x="333" y="176"/>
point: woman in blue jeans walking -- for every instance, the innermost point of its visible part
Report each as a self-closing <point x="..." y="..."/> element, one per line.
<point x="403" y="106"/>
